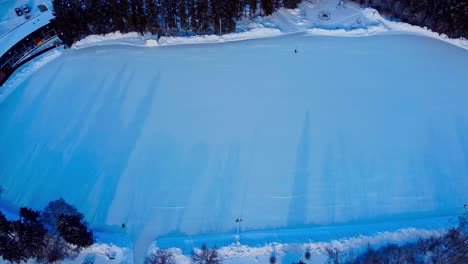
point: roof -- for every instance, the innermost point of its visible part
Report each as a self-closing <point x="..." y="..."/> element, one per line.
<point x="18" y="33"/>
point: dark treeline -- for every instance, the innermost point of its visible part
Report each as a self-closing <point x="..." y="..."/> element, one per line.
<point x="79" y="18"/>
<point x="50" y="236"/>
<point x="444" y="16"/>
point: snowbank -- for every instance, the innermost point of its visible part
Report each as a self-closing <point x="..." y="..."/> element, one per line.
<point x="135" y="39"/>
<point x="287" y="252"/>
<point x="24" y="72"/>
<point x="114" y="38"/>
<point x="254" y="33"/>
<point x="360" y="32"/>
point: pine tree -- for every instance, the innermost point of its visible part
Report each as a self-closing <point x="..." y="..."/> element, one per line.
<point x="10" y="248"/>
<point x="152" y="17"/>
<point x="267" y="7"/>
<point x="169" y="16"/>
<point x="49" y="216"/>
<point x="182" y="10"/>
<point x="252" y="7"/>
<point x="74" y="231"/>
<point x="291" y="4"/>
<point x="223" y="14"/>
<point x="27" y="237"/>
<point x="70" y="18"/>
<point x="277" y="4"/>
<point x="138" y="16"/>
<point x="21" y="239"/>
<point x="98" y="16"/>
<point x="30" y="232"/>
<point x="200" y="21"/>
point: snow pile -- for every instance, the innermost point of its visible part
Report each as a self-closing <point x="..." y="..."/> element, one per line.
<point x="103" y="253"/>
<point x="399" y="237"/>
<point x="151" y="43"/>
<point x="114" y="38"/>
<point x="253" y="33"/>
<point x="359" y="32"/>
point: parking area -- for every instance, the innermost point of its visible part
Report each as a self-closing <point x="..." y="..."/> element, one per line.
<point x="13" y="12"/>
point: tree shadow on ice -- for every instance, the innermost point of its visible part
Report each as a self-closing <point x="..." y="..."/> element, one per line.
<point x="111" y="142"/>
<point x="298" y="203"/>
<point x="177" y="173"/>
<point x="223" y="204"/>
<point x="45" y="134"/>
<point x="228" y="199"/>
<point x="441" y="169"/>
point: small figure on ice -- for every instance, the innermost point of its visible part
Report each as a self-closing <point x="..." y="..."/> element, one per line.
<point x="238" y="221"/>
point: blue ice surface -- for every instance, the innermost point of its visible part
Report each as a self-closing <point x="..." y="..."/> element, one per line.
<point x="183" y="140"/>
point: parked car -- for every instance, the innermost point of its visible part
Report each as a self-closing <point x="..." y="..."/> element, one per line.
<point x="25" y="9"/>
<point x="18" y="11"/>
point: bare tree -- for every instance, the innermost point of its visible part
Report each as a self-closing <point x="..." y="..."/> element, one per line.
<point x="160" y="257"/>
<point x="206" y="255"/>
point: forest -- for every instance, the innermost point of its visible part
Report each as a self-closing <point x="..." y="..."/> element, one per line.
<point x="79" y="18"/>
<point x="443" y="16"/>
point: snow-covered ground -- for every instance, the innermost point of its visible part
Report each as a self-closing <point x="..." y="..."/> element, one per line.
<point x="178" y="141"/>
<point x="8" y="18"/>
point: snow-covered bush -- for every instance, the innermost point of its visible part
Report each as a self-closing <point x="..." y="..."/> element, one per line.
<point x="206" y="255"/>
<point x="55" y="208"/>
<point x="56" y="249"/>
<point x="160" y="257"/>
<point x="335" y="255"/>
